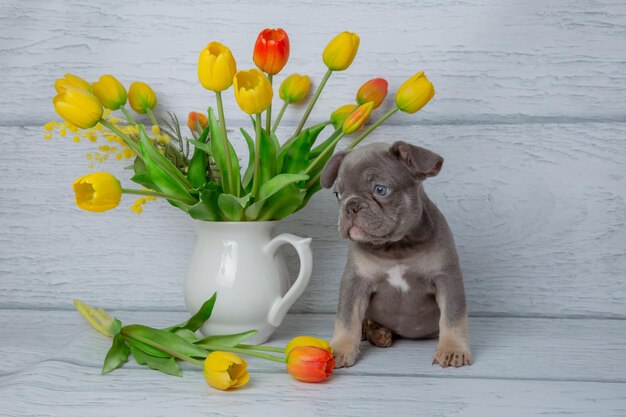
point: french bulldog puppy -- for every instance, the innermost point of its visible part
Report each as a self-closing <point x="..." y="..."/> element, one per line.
<point x="402" y="276"/>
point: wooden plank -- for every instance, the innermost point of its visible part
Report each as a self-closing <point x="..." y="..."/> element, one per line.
<point x="59" y="388"/>
<point x="537" y="210"/>
<point x="491" y="61"/>
<point x="503" y="348"/>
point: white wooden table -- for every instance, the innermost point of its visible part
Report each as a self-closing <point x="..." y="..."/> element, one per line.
<point x="530" y="117"/>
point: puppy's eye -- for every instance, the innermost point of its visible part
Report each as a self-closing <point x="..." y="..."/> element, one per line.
<point x="380" y="190"/>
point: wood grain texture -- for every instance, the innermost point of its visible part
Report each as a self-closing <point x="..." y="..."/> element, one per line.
<point x="524" y="367"/>
<point x="503" y="348"/>
<point x="538" y="213"/>
<point x="490" y="60"/>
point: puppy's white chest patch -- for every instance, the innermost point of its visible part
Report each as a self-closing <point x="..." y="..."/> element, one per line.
<point x="396" y="279"/>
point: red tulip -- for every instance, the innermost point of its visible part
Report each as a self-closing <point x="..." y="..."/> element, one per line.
<point x="197" y="121"/>
<point x="271" y="50"/>
<point x="374" y="90"/>
<point x="310" y="364"/>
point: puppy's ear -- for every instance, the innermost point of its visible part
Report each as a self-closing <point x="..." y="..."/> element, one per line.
<point x="419" y="161"/>
<point x="329" y="175"/>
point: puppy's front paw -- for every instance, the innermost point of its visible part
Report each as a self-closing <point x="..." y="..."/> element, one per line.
<point x="452" y="354"/>
<point x="345" y="352"/>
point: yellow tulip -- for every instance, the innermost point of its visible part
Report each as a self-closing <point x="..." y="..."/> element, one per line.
<point x="294" y="88"/>
<point x="216" y="67"/>
<point x="141" y="97"/>
<point x="225" y="370"/>
<point x="71" y="80"/>
<point x="358" y="118"/>
<point x="341" y="114"/>
<point x="253" y="91"/>
<point x="97" y="192"/>
<point x="308" y="341"/>
<point x="110" y="92"/>
<point x="78" y="106"/>
<point x="340" y="52"/>
<point x="414" y="93"/>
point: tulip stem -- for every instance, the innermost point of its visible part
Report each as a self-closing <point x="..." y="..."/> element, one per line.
<point x="318" y="91"/>
<point x="257" y="157"/>
<point x="131" y="143"/>
<point x="244" y="352"/>
<point x="372" y="127"/>
<point x="268" y="115"/>
<point x="165" y="349"/>
<point x="233" y="189"/>
<point x="128" y="116"/>
<point x="280" y="116"/>
<point x="152" y="118"/>
<point x="329" y="149"/>
<point x="262" y="348"/>
<point x="158" y="195"/>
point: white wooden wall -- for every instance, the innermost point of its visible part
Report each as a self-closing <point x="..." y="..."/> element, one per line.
<point x="529" y="115"/>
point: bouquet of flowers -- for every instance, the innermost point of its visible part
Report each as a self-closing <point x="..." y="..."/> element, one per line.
<point x="280" y="176"/>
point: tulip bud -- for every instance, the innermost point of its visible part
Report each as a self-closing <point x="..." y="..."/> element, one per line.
<point x="97" y="192"/>
<point x="340" y="52"/>
<point x="414" y="93"/>
<point x="216" y="67"/>
<point x="358" y="118"/>
<point x="271" y="50"/>
<point x="294" y="88"/>
<point x="197" y="121"/>
<point x="225" y="370"/>
<point x="253" y="91"/>
<point x="110" y="92"/>
<point x="310" y="364"/>
<point x="78" y="106"/>
<point x="141" y="97"/>
<point x="71" y="80"/>
<point x="341" y="114"/>
<point x="308" y="341"/>
<point x="374" y="90"/>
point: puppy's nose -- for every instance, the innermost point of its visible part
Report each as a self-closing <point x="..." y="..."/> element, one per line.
<point x="352" y="207"/>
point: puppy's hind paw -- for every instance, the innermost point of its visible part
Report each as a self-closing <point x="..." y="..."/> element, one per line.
<point x="452" y="357"/>
<point x="345" y="352"/>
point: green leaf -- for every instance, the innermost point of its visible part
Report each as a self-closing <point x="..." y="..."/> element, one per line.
<point x="116" y="327"/>
<point x="247" y="176"/>
<point x="144" y="180"/>
<point x="228" y="340"/>
<point x="116" y="356"/>
<point x="294" y="157"/>
<point x="270" y="188"/>
<point x="165" y="365"/>
<point x="162" y="177"/>
<point x="279" y="182"/>
<point x="272" y="137"/>
<point x="146" y="348"/>
<point x="186" y="334"/>
<point x="163" y="338"/>
<point x="315" y="152"/>
<point x="233" y="207"/>
<point x="219" y="153"/>
<point x="207" y="208"/>
<point x="283" y="203"/>
<point x="196" y="172"/>
<point x="197" y="320"/>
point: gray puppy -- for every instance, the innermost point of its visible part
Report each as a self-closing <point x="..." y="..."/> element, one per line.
<point x="402" y="276"/>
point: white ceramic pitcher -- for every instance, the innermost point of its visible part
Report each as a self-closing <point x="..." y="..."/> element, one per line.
<point x="240" y="262"/>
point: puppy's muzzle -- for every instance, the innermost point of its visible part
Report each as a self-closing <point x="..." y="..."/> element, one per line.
<point x="352" y="206"/>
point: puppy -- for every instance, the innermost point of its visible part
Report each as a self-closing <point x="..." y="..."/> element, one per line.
<point x="402" y="276"/>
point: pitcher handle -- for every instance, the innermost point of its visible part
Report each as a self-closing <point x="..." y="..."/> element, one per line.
<point x="303" y="247"/>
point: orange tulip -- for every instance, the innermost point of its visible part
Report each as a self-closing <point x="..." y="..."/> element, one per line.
<point x="197" y="121"/>
<point x="374" y="90"/>
<point x="310" y="363"/>
<point x="358" y="118"/>
<point x="271" y="50"/>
